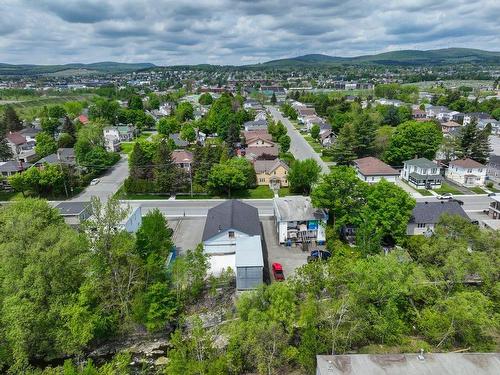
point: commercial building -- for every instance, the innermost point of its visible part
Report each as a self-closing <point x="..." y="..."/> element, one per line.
<point x="297" y="221"/>
<point x="232" y="238"/>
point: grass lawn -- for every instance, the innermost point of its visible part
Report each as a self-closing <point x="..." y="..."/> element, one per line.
<point x="493" y="189"/>
<point x="260" y="192"/>
<point x="477" y="190"/>
<point x="327" y="158"/>
<point x="424" y="192"/>
<point x="446" y="188"/>
<point x="315" y="145"/>
<point x="127" y="147"/>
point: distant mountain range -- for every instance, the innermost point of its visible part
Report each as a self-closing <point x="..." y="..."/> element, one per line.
<point x="445" y="56"/>
<point x="404" y="57"/>
<point x="66" y="69"/>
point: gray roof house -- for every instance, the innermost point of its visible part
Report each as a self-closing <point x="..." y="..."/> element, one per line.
<point x="421" y="173"/>
<point x="426" y="215"/>
<point x="409" y="364"/>
<point x="74" y="213"/>
<point x="232" y="239"/>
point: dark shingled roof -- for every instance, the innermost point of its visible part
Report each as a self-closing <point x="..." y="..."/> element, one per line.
<point x="232" y="214"/>
<point x="430" y="212"/>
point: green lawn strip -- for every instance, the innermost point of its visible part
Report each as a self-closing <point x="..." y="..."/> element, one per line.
<point x="493" y="189"/>
<point x="327" y="158"/>
<point x="477" y="190"/>
<point x="127" y="147"/>
<point x="446" y="188"/>
<point x="260" y="192"/>
<point x="316" y="146"/>
<point x="425" y="192"/>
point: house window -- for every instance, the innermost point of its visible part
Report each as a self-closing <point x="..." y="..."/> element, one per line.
<point x="421" y="225"/>
<point x="231" y="234"/>
<point x="433" y="171"/>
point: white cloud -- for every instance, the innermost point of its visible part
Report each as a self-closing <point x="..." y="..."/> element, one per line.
<point x="236" y="31"/>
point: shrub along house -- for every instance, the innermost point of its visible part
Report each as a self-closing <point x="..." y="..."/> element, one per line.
<point x="421" y="174"/>
<point x="232" y="239"/>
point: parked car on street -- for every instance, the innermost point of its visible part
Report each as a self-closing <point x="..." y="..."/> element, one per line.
<point x="95" y="181"/>
<point x="446" y="196"/>
<point x="278" y="272"/>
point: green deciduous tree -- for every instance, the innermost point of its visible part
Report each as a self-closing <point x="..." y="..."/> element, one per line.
<point x="315" y="131"/>
<point x="45" y="144"/>
<point x="303" y="175"/>
<point x="188" y="133"/>
<point x="184" y="112"/>
<point x="226" y="178"/>
<point x="164" y="168"/>
<point x="205" y="99"/>
<point x="342" y="193"/>
<point x="42" y="268"/>
<point x="168" y="125"/>
<point x="413" y="139"/>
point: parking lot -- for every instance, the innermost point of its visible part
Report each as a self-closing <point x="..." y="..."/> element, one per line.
<point x="290" y="257"/>
<point x="187" y="232"/>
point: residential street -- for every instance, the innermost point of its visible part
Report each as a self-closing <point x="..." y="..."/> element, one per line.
<point x="108" y="184"/>
<point x="199" y="207"/>
<point x="298" y="146"/>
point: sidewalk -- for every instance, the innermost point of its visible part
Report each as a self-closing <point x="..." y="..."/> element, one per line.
<point x="408" y="189"/>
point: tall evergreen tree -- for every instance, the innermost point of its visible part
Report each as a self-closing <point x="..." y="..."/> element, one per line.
<point x="343" y="149"/>
<point x="11" y="121"/>
<point x="473" y="142"/>
<point x="364" y="129"/>
<point x="164" y="168"/>
<point x="273" y="99"/>
<point x="139" y="163"/>
<point x="69" y="127"/>
<point x="233" y="137"/>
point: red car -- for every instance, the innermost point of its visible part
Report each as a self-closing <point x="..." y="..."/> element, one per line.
<point x="278" y="272"/>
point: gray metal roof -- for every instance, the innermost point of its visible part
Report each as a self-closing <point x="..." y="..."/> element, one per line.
<point x="421" y="162"/>
<point x="232" y="214"/>
<point x="249" y="252"/>
<point x="425" y="177"/>
<point x="430" y="212"/>
<point x="410" y="364"/>
<point x="297" y="208"/>
<point x="72" y="208"/>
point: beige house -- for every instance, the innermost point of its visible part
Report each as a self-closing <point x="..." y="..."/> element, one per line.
<point x="271" y="172"/>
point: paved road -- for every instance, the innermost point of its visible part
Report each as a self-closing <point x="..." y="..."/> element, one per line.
<point x="471" y="202"/>
<point x="108" y="184"/>
<point x="298" y="145"/>
<point x="200" y="207"/>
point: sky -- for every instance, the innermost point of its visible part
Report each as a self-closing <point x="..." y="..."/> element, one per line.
<point x="236" y="32"/>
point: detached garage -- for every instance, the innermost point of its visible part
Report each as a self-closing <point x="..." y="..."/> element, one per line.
<point x="249" y="263"/>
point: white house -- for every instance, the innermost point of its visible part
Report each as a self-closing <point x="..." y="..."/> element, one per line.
<point x="372" y="170"/>
<point x="421" y="174"/>
<point x="475" y="115"/>
<point x="232" y="239"/>
<point x="298" y="221"/>
<point x="467" y="172"/>
<point x="426" y="215"/>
